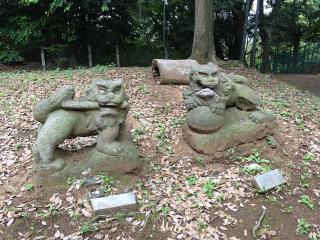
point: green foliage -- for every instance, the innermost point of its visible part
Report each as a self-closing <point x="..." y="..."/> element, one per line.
<point x="161" y="135"/>
<point x="121" y="216"/>
<point x="29" y="186"/>
<point x="269" y="140"/>
<point x="255" y="157"/>
<point x="28" y="2"/>
<point x="308" y="157"/>
<point x="165" y="210"/>
<point x="52" y="211"/>
<point x="17" y="33"/>
<point x="18" y="146"/>
<point x="209" y="187"/>
<point x="71" y="180"/>
<point x="293" y="23"/>
<point x="231" y="150"/>
<point x="288" y="209"/>
<point x="199" y="161"/>
<point x="177" y="122"/>
<point x="304" y="180"/>
<point x="254" y="170"/>
<point x="303" y="227"/>
<point x="141" y="28"/>
<point x="8" y="55"/>
<point x="201" y="226"/>
<point x="306" y="201"/>
<point x="138" y="132"/>
<point x="191" y="180"/>
<point x="107" y="181"/>
<point x="86" y="228"/>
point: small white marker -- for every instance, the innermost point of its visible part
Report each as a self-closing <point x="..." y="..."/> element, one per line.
<point x="124" y="201"/>
<point x="269" y="180"/>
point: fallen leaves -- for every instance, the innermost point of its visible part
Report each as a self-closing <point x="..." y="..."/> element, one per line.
<point x="168" y="201"/>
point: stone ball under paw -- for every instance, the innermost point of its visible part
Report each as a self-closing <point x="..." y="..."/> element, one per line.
<point x="202" y="120"/>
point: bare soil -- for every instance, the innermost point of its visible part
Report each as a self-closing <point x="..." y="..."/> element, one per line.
<point x="179" y="209"/>
<point x="305" y="82"/>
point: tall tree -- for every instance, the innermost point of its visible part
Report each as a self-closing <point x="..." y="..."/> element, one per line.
<point x="264" y="33"/>
<point x="238" y="26"/>
<point x="203" y="42"/>
<point x="255" y="36"/>
<point x="231" y="16"/>
<point x="244" y="32"/>
<point x="165" y="30"/>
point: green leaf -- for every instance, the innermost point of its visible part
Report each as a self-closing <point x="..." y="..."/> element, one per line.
<point x="104" y="7"/>
<point x="28" y="2"/>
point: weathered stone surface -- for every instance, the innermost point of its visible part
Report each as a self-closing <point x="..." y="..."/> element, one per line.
<point x="100" y="111"/>
<point x="91" y="181"/>
<point x="222" y="111"/>
<point x="168" y="71"/>
<point x="90" y="160"/>
<point x="244" y="97"/>
<point x="206" y="92"/>
<point x="208" y="124"/>
<point x="113" y="203"/>
<point x="269" y="180"/>
<point x="237" y="129"/>
<point x="96" y="194"/>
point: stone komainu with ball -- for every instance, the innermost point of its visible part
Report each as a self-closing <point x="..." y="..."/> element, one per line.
<point x="222" y="110"/>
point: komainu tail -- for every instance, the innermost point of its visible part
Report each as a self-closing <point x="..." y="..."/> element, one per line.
<point x="52" y="103"/>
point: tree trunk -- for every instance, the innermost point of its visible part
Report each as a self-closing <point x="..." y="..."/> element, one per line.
<point x="244" y="32"/>
<point x="265" y="42"/>
<point x="218" y="48"/>
<point x="90" y="55"/>
<point x="43" y="58"/>
<point x="117" y="54"/>
<point x="265" y="61"/>
<point x="238" y="29"/>
<point x="254" y="44"/>
<point x="203" y="42"/>
<point x="295" y="56"/>
<point x="164" y="31"/>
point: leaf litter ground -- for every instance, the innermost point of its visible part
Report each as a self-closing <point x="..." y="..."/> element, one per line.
<point x="181" y="194"/>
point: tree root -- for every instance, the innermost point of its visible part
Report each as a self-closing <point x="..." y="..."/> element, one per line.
<point x="257" y="226"/>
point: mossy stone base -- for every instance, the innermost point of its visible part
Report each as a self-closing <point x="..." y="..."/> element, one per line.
<point x="87" y="160"/>
<point x="239" y="127"/>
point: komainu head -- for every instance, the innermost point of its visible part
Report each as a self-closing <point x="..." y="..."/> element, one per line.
<point x="107" y="93"/>
<point x="205" y="76"/>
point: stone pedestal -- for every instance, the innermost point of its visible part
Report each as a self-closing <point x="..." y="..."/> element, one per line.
<point x="239" y="127"/>
<point x="87" y="160"/>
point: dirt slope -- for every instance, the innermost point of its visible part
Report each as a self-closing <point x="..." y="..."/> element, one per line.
<point x="181" y="195"/>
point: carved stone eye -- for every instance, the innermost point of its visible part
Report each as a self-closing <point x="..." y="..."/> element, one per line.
<point x="203" y="74"/>
<point x="101" y="91"/>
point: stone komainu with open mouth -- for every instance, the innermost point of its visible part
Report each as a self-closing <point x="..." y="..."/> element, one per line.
<point x="101" y="111"/>
<point x="222" y="111"/>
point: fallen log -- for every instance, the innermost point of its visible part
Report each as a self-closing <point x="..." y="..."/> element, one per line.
<point x="167" y="71"/>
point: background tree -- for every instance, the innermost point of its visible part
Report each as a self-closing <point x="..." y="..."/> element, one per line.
<point x="255" y="35"/>
<point x="265" y="35"/>
<point x="203" y="45"/>
<point x="131" y="32"/>
<point x="229" y="27"/>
